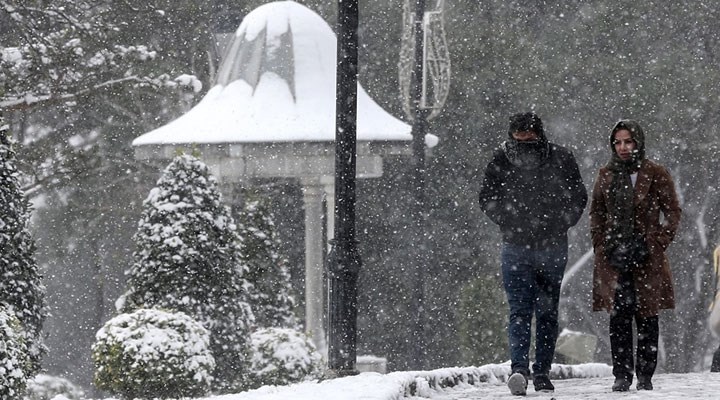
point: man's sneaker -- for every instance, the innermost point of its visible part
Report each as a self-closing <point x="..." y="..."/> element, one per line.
<point x="621" y="385"/>
<point x="542" y="383"/>
<point x="644" y="384"/>
<point x="517" y="383"/>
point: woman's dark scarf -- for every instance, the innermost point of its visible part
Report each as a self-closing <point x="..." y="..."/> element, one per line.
<point x="621" y="208"/>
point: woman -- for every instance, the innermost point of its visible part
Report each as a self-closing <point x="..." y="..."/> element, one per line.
<point x="714" y="318"/>
<point x="631" y="278"/>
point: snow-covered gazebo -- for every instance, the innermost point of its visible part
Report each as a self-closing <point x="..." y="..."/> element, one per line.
<point x="271" y="114"/>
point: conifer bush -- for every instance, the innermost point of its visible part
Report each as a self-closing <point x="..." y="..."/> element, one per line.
<point x="268" y="273"/>
<point x="282" y="356"/>
<point x="14" y="359"/>
<point x="21" y="291"/>
<point x="187" y="259"/>
<point x="153" y="354"/>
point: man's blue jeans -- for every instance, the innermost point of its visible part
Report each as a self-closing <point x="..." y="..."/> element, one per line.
<point x="532" y="278"/>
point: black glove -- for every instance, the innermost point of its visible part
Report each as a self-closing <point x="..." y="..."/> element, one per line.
<point x="620" y="257"/>
<point x="640" y="253"/>
<point x="628" y="255"/>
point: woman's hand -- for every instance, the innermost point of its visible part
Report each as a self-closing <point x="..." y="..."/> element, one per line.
<point x="619" y="257"/>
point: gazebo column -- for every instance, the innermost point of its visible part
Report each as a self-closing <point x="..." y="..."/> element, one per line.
<point x="314" y="192"/>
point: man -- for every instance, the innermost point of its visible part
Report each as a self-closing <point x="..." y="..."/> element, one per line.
<point x="533" y="191"/>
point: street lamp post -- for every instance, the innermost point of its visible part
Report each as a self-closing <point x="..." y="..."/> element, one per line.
<point x="419" y="245"/>
<point x="343" y="262"/>
<point x="424" y="83"/>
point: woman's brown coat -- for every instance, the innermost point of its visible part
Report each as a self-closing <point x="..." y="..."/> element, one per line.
<point x="654" y="193"/>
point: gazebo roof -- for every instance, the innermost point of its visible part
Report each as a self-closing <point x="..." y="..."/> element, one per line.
<point x="277" y="84"/>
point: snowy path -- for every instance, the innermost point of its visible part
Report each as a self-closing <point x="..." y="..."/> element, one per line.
<point x="434" y="385"/>
<point x="667" y="386"/>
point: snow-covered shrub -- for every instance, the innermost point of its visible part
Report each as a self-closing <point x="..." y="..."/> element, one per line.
<point x="268" y="272"/>
<point x="187" y="259"/>
<point x="21" y="290"/>
<point x="48" y="387"/>
<point x="282" y="356"/>
<point x="14" y="360"/>
<point x="153" y="353"/>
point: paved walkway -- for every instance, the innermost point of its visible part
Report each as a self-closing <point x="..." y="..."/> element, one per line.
<point x="667" y="386"/>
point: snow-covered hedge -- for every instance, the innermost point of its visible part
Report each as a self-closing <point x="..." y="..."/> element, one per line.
<point x="282" y="356"/>
<point x="151" y="353"/>
<point x="48" y="387"/>
<point x="14" y="360"/>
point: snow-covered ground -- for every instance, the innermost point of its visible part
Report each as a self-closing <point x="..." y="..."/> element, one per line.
<point x="592" y="382"/>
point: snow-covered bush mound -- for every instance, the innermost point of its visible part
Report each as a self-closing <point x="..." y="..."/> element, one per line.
<point x="152" y="353"/>
<point x="48" y="387"/>
<point x="14" y="361"/>
<point x="282" y="356"/>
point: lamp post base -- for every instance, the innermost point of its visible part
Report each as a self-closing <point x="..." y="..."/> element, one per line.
<point x="343" y="269"/>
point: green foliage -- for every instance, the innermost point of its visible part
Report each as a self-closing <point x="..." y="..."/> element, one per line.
<point x="63" y="45"/>
<point x="21" y="290"/>
<point x="153" y="354"/>
<point x="47" y="387"/>
<point x="15" y="365"/>
<point x="283" y="356"/>
<point x="482" y="317"/>
<point x="86" y="83"/>
<point x="581" y="65"/>
<point x="188" y="260"/>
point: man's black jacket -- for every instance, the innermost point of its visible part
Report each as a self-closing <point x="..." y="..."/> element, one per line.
<point x="534" y="207"/>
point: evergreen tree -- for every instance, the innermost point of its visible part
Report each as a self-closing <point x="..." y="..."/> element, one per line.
<point x="268" y="271"/>
<point x="187" y="259"/>
<point x="21" y="291"/>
